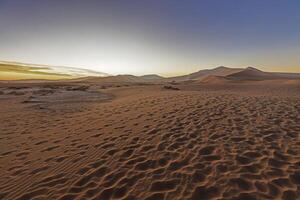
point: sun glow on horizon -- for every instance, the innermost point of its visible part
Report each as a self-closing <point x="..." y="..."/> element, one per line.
<point x="167" y="38"/>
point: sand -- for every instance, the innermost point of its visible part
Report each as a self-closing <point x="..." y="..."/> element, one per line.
<point x="199" y="141"/>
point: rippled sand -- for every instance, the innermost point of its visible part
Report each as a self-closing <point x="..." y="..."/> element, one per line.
<point x="151" y="142"/>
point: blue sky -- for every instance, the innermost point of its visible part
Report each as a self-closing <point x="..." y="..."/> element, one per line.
<point x="167" y="37"/>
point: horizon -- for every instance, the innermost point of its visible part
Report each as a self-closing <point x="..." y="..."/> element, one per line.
<point x="168" y="38"/>
<point x="274" y="69"/>
<point x="28" y="71"/>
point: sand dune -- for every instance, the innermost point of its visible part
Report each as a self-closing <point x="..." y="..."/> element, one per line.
<point x="217" y="75"/>
<point x="214" y="80"/>
<point x="219" y="71"/>
<point x="251" y="73"/>
<point x="241" y="74"/>
<point x="238" y="140"/>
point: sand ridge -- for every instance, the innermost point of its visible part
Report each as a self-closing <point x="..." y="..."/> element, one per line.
<point x="153" y="143"/>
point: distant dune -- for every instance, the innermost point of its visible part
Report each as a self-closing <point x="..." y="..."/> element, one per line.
<point x="226" y="73"/>
<point x="251" y="73"/>
<point x="218" y="75"/>
<point x="152" y="77"/>
<point x="214" y="80"/>
<point x="219" y="71"/>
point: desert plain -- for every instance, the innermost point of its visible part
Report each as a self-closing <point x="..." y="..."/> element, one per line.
<point x="226" y="135"/>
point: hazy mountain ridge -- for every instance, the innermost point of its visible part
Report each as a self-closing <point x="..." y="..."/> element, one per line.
<point x="23" y="71"/>
<point x="33" y="71"/>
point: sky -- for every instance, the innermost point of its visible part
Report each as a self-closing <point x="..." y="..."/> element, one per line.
<point x="169" y="37"/>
